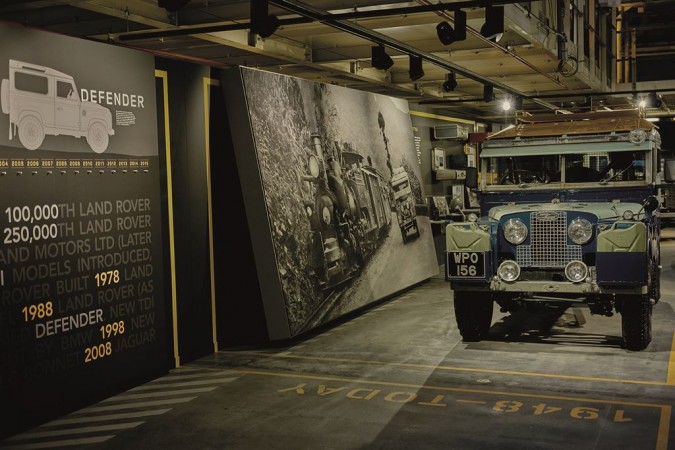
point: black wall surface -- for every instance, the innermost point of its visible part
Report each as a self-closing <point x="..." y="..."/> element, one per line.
<point x="239" y="318"/>
<point x="239" y="308"/>
<point x="188" y="168"/>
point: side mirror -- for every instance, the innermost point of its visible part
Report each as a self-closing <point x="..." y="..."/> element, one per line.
<point x="650" y="204"/>
<point x="471" y="180"/>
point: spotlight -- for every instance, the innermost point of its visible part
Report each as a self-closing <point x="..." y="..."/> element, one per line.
<point x="642" y="103"/>
<point x="379" y="58"/>
<point x="506" y="105"/>
<point x="450" y="82"/>
<point x="262" y="24"/>
<point x="447" y="35"/>
<point x="488" y="93"/>
<point x="416" y="71"/>
<point x="493" y="28"/>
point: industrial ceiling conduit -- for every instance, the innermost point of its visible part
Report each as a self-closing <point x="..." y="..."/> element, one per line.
<point x="379" y="38"/>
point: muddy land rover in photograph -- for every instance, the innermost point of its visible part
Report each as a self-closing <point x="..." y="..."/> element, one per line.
<point x="567" y="218"/>
<point x="404" y="203"/>
<point x="42" y="101"/>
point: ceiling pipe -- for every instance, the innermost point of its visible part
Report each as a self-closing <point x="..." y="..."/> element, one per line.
<point x="379" y="38"/>
<point x="491" y="43"/>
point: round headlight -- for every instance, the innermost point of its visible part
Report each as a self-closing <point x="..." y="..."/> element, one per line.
<point x="509" y="271"/>
<point x="325" y="214"/>
<point x="576" y="271"/>
<point x="515" y="231"/>
<point x="580" y="231"/>
<point x="313" y="164"/>
<point x="628" y="215"/>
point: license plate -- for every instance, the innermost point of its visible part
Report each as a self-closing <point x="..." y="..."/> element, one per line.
<point x="465" y="265"/>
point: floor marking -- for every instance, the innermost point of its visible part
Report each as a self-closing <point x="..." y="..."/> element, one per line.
<point x="86" y="419"/>
<point x="68" y="431"/>
<point x="659" y="406"/>
<point x="671" y="364"/>
<point x="191" y="376"/>
<point x="664" y="428"/>
<point x="472" y="401"/>
<point x="664" y="418"/>
<point x="159" y="394"/>
<point x="189" y="383"/>
<point x="456" y="369"/>
<point x="137" y="405"/>
<point x="62" y="443"/>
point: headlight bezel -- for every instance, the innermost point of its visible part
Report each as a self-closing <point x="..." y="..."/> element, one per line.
<point x="515" y="225"/>
<point x="580" y="225"/>
<point x="505" y="265"/>
<point x="576" y="264"/>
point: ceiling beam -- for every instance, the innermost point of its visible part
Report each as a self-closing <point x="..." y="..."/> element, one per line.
<point x="321" y="17"/>
<point x="379" y="38"/>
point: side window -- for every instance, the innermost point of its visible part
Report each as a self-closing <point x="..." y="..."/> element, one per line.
<point x="31" y="83"/>
<point x="65" y="89"/>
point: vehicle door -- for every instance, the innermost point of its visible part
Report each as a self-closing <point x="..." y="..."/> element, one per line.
<point x="66" y="105"/>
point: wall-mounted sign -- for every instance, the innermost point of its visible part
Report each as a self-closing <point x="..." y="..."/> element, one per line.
<point x="81" y="301"/>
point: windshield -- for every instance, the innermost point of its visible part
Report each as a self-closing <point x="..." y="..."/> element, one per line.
<point x="600" y="167"/>
<point x="400" y="186"/>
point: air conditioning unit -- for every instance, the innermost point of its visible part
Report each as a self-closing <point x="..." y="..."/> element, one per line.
<point x="451" y="131"/>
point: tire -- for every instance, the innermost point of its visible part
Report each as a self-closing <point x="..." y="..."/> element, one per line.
<point x="473" y="312"/>
<point x="31" y="132"/>
<point x="404" y="235"/>
<point x="636" y="322"/>
<point x="4" y="96"/>
<point x="97" y="137"/>
<point x="654" y="282"/>
<point x="655" y="271"/>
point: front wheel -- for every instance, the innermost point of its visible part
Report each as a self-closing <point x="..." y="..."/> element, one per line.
<point x="473" y="312"/>
<point x="636" y="322"/>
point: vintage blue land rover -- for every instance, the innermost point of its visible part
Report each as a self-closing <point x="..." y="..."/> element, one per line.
<point x="568" y="216"/>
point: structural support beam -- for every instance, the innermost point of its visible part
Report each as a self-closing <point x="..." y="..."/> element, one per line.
<point x="321" y="17"/>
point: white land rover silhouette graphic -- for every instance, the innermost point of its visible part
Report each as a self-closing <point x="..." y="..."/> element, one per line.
<point x="42" y="101"/>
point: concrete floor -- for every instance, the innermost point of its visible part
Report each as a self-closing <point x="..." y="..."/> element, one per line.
<point x="399" y="377"/>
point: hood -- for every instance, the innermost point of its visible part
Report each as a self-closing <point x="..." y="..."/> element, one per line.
<point x="601" y="210"/>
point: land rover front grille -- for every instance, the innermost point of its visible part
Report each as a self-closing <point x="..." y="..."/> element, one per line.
<point x="548" y="242"/>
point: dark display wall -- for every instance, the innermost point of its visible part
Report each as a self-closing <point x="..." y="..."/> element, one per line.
<point x="82" y="305"/>
<point x="317" y="165"/>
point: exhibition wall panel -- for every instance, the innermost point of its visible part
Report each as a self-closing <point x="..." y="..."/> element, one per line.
<point x="82" y="305"/>
<point x="330" y="178"/>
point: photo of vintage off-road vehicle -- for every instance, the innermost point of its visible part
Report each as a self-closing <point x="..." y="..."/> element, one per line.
<point x="568" y="217"/>
<point x="404" y="202"/>
<point x="42" y="101"/>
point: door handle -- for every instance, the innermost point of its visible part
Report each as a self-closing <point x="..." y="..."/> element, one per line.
<point x="58" y="108"/>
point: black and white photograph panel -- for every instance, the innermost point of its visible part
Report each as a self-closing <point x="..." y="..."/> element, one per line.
<point x="341" y="181"/>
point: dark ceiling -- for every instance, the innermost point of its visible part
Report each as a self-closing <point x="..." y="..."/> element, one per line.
<point x="313" y="45"/>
